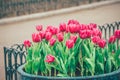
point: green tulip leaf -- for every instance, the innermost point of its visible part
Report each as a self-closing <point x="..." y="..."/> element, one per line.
<point x="35" y="65"/>
<point x="86" y="50"/>
<point x="28" y="67"/>
<point x="89" y="64"/>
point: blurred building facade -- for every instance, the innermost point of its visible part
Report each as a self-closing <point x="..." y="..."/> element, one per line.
<point x="11" y="8"/>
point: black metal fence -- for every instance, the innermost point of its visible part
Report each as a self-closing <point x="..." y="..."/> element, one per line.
<point x="9" y="8"/>
<point x="15" y="56"/>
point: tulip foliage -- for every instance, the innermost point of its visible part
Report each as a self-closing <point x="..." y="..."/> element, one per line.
<point x="72" y="49"/>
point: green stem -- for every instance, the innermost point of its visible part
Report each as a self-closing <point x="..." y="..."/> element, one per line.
<point x="71" y="74"/>
<point x="54" y="72"/>
<point x="49" y="72"/>
<point x="81" y="60"/>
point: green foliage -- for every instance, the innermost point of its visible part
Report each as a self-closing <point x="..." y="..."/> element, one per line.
<point x="84" y="59"/>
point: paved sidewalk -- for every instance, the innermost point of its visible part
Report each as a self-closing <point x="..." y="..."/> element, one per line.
<point x="19" y="31"/>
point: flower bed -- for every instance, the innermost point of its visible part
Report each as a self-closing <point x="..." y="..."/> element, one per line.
<point x="71" y="50"/>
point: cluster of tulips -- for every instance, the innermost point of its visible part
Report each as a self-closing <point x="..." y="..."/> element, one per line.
<point x="72" y="49"/>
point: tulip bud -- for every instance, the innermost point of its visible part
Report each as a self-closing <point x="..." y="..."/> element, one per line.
<point x="102" y="43"/>
<point x="74" y="38"/>
<point x="67" y="29"/>
<point x="95" y="39"/>
<point x="50" y="58"/>
<point x="69" y="43"/>
<point x="92" y="26"/>
<point x="83" y="34"/>
<point x="88" y="33"/>
<point x="117" y="34"/>
<point x="112" y="39"/>
<point x="48" y="29"/>
<point x="96" y="32"/>
<point x="62" y="27"/>
<point x="73" y="22"/>
<point x="42" y="34"/>
<point x="48" y="35"/>
<point x="27" y="43"/>
<point x="53" y="30"/>
<point x="73" y="28"/>
<point x="60" y="37"/>
<point x="83" y="26"/>
<point x="39" y="27"/>
<point x="36" y="37"/>
<point x="52" y="41"/>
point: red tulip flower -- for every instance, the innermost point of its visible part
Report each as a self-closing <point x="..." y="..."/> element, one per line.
<point x="50" y="58"/>
<point x="88" y="33"/>
<point x="117" y="34"/>
<point x="101" y="43"/>
<point x="92" y="25"/>
<point x="96" y="32"/>
<point x="36" y="37"/>
<point x="83" y="26"/>
<point x="48" y="28"/>
<point x="42" y="34"/>
<point x="74" y="28"/>
<point x="52" y="41"/>
<point x="53" y="30"/>
<point x="58" y="30"/>
<point x="67" y="29"/>
<point x="60" y="37"/>
<point x="62" y="27"/>
<point x="69" y="43"/>
<point x="39" y="27"/>
<point x="73" y="22"/>
<point x="77" y="28"/>
<point x="112" y="39"/>
<point x="74" y="38"/>
<point x="27" y="43"/>
<point x="83" y="34"/>
<point x="95" y="39"/>
<point x="48" y="36"/>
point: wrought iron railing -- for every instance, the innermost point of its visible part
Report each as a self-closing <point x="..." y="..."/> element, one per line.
<point x="20" y="7"/>
<point x="15" y="56"/>
<point x="108" y="29"/>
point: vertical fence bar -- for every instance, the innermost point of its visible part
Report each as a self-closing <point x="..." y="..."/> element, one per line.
<point x="5" y="63"/>
<point x="109" y="30"/>
<point x="10" y="65"/>
<point x="15" y="62"/>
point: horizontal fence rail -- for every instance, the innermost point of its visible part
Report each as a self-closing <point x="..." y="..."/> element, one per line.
<point x="9" y="8"/>
<point x="16" y="54"/>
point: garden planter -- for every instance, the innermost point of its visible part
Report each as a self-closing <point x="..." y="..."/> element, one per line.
<point x="73" y="51"/>
<point x="115" y="75"/>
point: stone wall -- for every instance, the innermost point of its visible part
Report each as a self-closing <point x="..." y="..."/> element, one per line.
<point x="10" y="8"/>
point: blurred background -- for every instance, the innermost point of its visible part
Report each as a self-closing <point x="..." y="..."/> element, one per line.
<point x="18" y="17"/>
<point x="11" y="8"/>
